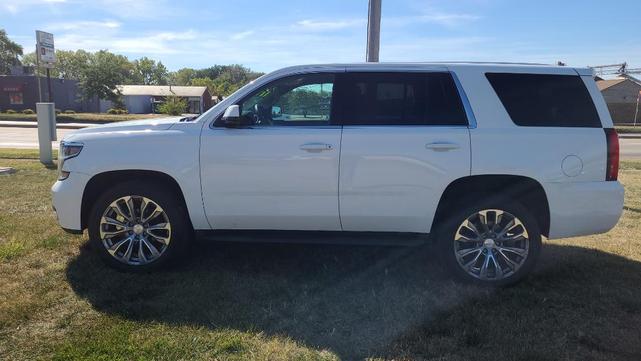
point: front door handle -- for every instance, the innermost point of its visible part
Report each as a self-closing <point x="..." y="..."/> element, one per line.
<point x="316" y="147"/>
<point x="442" y="146"/>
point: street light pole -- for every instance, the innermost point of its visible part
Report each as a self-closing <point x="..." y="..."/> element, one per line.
<point x="373" y="30"/>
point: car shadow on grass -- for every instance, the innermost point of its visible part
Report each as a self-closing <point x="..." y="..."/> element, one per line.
<point x="393" y="302"/>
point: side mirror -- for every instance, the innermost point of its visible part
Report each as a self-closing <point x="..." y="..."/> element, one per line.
<point x="232" y="119"/>
<point x="232" y="111"/>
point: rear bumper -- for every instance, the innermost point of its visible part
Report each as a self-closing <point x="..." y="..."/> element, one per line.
<point x="66" y="196"/>
<point x="583" y="208"/>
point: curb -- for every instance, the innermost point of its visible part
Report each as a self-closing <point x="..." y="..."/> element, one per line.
<point x="630" y="136"/>
<point x="20" y="124"/>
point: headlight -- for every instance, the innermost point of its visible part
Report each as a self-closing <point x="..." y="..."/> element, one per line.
<point x="67" y="150"/>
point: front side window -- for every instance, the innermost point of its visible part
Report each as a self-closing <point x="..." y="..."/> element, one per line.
<point x="376" y="98"/>
<point x="296" y="100"/>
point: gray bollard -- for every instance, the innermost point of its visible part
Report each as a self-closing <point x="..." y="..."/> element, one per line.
<point x="46" y="130"/>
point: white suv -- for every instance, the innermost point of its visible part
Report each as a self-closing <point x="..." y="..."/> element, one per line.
<point x="484" y="158"/>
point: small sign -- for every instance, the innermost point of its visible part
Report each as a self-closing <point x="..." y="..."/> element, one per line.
<point x="12" y="88"/>
<point x="44" y="49"/>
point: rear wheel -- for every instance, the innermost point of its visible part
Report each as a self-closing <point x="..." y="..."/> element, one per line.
<point x="490" y="243"/>
<point x="138" y="227"/>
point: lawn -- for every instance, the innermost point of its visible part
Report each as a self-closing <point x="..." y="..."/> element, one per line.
<point x="303" y="302"/>
<point x="81" y="117"/>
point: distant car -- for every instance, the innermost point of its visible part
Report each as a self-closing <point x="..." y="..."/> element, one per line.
<point x="482" y="158"/>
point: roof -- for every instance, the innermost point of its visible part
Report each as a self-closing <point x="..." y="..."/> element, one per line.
<point x="162" y="90"/>
<point x="444" y="66"/>
<point x="604" y="84"/>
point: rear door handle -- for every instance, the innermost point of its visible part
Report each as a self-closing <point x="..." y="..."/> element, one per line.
<point x="442" y="146"/>
<point x="316" y="147"/>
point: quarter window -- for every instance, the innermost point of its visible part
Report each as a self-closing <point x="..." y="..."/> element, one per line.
<point x="399" y="99"/>
<point x="545" y="100"/>
<point x="296" y="100"/>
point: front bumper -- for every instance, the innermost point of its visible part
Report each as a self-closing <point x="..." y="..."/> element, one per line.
<point x="583" y="208"/>
<point x="66" y="196"/>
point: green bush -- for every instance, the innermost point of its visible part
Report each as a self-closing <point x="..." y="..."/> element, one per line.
<point x="173" y="105"/>
<point x="58" y="111"/>
<point x="28" y="111"/>
<point x="112" y="111"/>
<point x="70" y="111"/>
<point x="10" y="111"/>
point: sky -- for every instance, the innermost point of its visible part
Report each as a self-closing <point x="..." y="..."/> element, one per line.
<point x="267" y="35"/>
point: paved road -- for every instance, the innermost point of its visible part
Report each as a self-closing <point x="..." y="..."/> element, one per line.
<point x="28" y="138"/>
<point x="24" y="137"/>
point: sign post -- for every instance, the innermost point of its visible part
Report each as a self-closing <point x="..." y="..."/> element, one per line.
<point x="46" y="112"/>
<point x="46" y="55"/>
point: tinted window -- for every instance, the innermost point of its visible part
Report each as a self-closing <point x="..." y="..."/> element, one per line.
<point x="399" y="99"/>
<point x="296" y="100"/>
<point x="545" y="100"/>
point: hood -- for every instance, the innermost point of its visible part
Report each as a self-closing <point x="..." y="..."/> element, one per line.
<point x="132" y="125"/>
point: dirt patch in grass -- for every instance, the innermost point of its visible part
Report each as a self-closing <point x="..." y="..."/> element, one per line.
<point x="305" y="302"/>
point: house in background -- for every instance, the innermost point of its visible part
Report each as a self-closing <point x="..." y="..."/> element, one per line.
<point x="20" y="92"/>
<point x="143" y="99"/>
<point x="621" y="95"/>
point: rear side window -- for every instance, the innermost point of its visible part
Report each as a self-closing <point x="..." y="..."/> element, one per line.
<point x="544" y="100"/>
<point x="399" y="99"/>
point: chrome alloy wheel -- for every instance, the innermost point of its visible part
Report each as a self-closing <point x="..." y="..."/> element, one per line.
<point x="491" y="245"/>
<point x="135" y="230"/>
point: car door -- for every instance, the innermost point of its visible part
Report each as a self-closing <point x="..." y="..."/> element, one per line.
<point x="405" y="138"/>
<point x="281" y="171"/>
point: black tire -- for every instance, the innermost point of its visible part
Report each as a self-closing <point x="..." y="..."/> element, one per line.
<point x="449" y="226"/>
<point x="181" y="230"/>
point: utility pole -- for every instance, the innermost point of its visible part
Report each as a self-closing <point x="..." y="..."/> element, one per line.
<point x="38" y="75"/>
<point x="373" y="30"/>
<point x="49" y="86"/>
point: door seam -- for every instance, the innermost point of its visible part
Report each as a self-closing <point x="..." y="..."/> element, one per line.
<point x="340" y="151"/>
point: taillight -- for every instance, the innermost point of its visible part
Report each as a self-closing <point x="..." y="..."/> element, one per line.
<point x="612" y="165"/>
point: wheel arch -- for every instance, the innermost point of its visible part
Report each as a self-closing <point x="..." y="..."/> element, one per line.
<point x="525" y="190"/>
<point x="102" y="181"/>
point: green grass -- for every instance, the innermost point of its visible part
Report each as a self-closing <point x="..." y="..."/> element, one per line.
<point x="304" y="302"/>
<point x="81" y="117"/>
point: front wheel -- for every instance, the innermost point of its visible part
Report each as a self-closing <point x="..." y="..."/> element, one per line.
<point x="138" y="227"/>
<point x="490" y="243"/>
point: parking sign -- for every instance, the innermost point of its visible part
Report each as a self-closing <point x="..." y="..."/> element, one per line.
<point x="44" y="49"/>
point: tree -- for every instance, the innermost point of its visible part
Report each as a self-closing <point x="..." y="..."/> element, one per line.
<point x="208" y="82"/>
<point x="220" y="79"/>
<point x="173" y="105"/>
<point x="104" y="72"/>
<point x="182" y="76"/>
<point x="10" y="53"/>
<point x="71" y="64"/>
<point x="148" y="72"/>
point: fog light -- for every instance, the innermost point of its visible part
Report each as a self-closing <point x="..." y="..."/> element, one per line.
<point x="63" y="175"/>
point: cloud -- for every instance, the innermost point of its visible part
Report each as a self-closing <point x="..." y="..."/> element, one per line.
<point x="318" y="25"/>
<point x="15" y="7"/>
<point x="443" y="19"/>
<point x="241" y="35"/>
<point x="150" y="43"/>
<point x="89" y="25"/>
